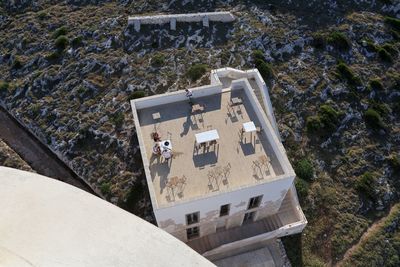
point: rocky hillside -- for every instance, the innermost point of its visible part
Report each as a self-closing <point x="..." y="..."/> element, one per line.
<point x="68" y="69"/>
<point x="9" y="158"/>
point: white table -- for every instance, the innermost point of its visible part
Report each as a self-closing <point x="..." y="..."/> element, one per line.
<point x="206" y="136"/>
<point x="156" y="116"/>
<point x="249" y="127"/>
<point x="236" y="100"/>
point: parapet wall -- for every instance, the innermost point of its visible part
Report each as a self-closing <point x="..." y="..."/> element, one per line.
<point x="174" y="18"/>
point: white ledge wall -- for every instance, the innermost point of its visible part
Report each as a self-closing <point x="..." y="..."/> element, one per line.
<point x="174" y="18"/>
<point x="47" y="223"/>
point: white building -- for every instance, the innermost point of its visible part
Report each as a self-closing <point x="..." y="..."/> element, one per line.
<point x="228" y="188"/>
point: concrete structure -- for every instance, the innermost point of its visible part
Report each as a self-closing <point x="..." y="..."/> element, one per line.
<point x="172" y="19"/>
<point x="229" y="196"/>
<point x="45" y="222"/>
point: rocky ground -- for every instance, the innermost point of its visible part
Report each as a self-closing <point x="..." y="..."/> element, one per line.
<point x="68" y="69"/>
<point x="9" y="158"/>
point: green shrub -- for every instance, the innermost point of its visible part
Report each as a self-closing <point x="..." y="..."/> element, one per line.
<point x="385" y="55"/>
<point x="347" y="230"/>
<point x="35" y="110"/>
<point x="375" y="84"/>
<point x="393" y="22"/>
<point x="373" y="119"/>
<point x="302" y="188"/>
<point x="265" y="70"/>
<point x="53" y="56"/>
<point x="105" y="188"/>
<point x="390" y="48"/>
<point x="61" y="42"/>
<point x="326" y="120"/>
<point x="347" y="74"/>
<point x="339" y="40"/>
<point x="77" y="41"/>
<point x="394" y="162"/>
<point x="117" y="119"/>
<point x="42" y="15"/>
<point x="4" y="86"/>
<point x="314" y="124"/>
<point x="380" y="107"/>
<point x="60" y="31"/>
<point x="158" y="60"/>
<point x="304" y="169"/>
<point x="365" y="184"/>
<point x="196" y="71"/>
<point x="137" y="94"/>
<point x="371" y="47"/>
<point x="329" y="117"/>
<point x="258" y="54"/>
<point x="17" y="64"/>
<point x="318" y="41"/>
<point x="395" y="35"/>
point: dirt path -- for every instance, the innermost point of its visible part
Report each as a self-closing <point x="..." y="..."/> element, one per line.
<point x="38" y="156"/>
<point x="364" y="237"/>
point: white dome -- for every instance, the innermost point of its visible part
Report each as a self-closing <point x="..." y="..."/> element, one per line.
<point x="44" y="222"/>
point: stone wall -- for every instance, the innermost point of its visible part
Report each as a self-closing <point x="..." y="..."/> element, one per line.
<point x="172" y="19"/>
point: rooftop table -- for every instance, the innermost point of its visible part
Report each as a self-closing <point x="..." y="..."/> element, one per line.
<point x="156" y="116"/>
<point x="249" y="127"/>
<point x="236" y="100"/>
<point x="206" y="136"/>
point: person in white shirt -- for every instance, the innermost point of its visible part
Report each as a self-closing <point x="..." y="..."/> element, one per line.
<point x="189" y="95"/>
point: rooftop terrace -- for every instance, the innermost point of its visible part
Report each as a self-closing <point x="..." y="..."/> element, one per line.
<point x="229" y="164"/>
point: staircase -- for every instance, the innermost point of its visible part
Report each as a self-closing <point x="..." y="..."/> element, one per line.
<point x="257" y="92"/>
<point x="272" y="223"/>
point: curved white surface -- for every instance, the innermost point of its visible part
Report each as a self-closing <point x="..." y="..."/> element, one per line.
<point x="44" y="222"/>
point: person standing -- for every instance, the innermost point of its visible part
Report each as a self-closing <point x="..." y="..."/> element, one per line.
<point x="189" y="95"/>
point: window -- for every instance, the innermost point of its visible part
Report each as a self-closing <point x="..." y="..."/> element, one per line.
<point x="224" y="210"/>
<point x="192" y="232"/>
<point x="192" y="218"/>
<point x="254" y="202"/>
<point x="248" y="217"/>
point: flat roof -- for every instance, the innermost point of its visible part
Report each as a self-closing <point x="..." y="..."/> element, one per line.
<point x="179" y="124"/>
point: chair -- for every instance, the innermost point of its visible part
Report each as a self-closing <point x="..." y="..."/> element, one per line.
<point x="182" y="180"/>
<point x="169" y="135"/>
<point x="182" y="183"/>
<point x="264" y="161"/>
<point x="226" y="171"/>
<point x="199" y="146"/>
<point x="241" y="133"/>
<point x="218" y="171"/>
<point x="256" y="164"/>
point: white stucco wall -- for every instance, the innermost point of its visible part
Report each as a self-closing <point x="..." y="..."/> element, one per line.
<point x="48" y="223"/>
<point x="172" y="219"/>
<point x="192" y="17"/>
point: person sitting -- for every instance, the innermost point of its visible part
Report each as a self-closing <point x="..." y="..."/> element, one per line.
<point x="156" y="137"/>
<point x="157" y="149"/>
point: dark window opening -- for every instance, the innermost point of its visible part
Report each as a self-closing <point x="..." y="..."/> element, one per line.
<point x="193" y="232"/>
<point x="254" y="202"/>
<point x="224" y="210"/>
<point x="192" y="218"/>
<point x="248" y="217"/>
